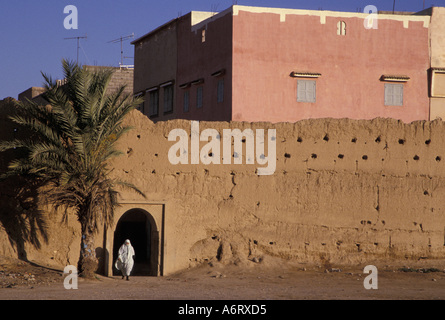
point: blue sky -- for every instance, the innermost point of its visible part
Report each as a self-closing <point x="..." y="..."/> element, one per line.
<point x="32" y="32"/>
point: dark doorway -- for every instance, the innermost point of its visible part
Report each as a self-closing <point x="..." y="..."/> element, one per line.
<point x="136" y="226"/>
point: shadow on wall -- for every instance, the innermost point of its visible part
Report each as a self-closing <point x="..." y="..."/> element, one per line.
<point x="20" y="215"/>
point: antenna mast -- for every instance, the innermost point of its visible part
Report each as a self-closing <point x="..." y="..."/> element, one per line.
<point x="78" y="44"/>
<point x="121" y="40"/>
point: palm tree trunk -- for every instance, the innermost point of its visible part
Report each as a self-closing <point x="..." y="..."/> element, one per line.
<point x="87" y="265"/>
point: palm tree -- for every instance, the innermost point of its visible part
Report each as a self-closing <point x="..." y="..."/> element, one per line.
<point x="74" y="139"/>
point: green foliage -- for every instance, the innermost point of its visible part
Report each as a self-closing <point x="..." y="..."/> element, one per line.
<point x="74" y="138"/>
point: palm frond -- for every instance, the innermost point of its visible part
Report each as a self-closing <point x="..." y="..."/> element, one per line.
<point x="74" y="137"/>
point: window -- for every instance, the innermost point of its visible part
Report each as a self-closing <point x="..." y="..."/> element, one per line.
<point x="220" y="92"/>
<point x="168" y="98"/>
<point x="186" y="101"/>
<point x="199" y="95"/>
<point x="393" y="94"/>
<point x="203" y="36"/>
<point x="306" y="91"/>
<point x="341" y="28"/>
<point x="438" y="83"/>
<point x="153" y="102"/>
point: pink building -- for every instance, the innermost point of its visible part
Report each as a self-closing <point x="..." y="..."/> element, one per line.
<point x="267" y="64"/>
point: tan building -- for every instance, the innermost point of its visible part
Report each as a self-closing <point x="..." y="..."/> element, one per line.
<point x="121" y="76"/>
<point x="437" y="72"/>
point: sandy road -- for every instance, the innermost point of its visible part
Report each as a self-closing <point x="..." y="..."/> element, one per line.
<point x="232" y="283"/>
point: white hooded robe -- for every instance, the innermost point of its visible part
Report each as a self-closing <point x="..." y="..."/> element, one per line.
<point x="125" y="260"/>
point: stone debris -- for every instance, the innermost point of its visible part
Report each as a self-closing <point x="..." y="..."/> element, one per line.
<point x="25" y="275"/>
<point x="216" y="274"/>
<point x="332" y="270"/>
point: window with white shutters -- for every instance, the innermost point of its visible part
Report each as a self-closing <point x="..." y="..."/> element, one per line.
<point x="306" y="91"/>
<point x="393" y="94"/>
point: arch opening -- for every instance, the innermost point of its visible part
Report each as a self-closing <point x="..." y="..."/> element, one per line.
<point x="139" y="227"/>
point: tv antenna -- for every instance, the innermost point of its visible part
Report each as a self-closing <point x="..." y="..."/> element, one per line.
<point x="121" y="40"/>
<point x="78" y="44"/>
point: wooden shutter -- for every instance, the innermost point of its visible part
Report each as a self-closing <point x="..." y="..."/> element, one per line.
<point x="220" y="91"/>
<point x="199" y="97"/>
<point x="186" y="101"/>
<point x="393" y="94"/>
<point x="301" y="91"/>
<point x="388" y="94"/>
<point x="306" y="91"/>
<point x="398" y="95"/>
<point x="310" y="91"/>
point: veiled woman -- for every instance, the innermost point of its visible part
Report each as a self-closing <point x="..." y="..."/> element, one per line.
<point x="125" y="261"/>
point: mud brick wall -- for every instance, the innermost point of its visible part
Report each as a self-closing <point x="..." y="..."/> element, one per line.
<point x="344" y="191"/>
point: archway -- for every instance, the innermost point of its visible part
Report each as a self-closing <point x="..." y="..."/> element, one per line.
<point x="139" y="227"/>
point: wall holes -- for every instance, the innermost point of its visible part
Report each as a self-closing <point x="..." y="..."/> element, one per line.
<point x="314" y="156"/>
<point x="365" y="157"/>
<point x="299" y="139"/>
<point x="401" y="141"/>
<point x="427" y="142"/>
<point x="378" y="139"/>
<point x="416" y="157"/>
<point x="326" y="138"/>
<point x="341" y="156"/>
<point x="354" y="140"/>
<point x="287" y="155"/>
<point x="438" y="158"/>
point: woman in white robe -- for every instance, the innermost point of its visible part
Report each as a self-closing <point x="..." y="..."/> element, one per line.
<point x="125" y="261"/>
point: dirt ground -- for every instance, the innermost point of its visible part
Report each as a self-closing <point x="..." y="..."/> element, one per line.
<point x="25" y="281"/>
